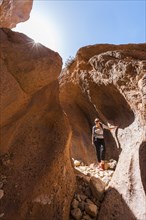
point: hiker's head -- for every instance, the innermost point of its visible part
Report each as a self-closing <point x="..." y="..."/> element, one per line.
<point x="96" y="120"/>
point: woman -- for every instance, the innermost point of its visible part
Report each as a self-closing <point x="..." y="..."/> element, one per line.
<point x="98" y="141"/>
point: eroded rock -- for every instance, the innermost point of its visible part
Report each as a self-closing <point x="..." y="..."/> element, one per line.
<point x="35" y="133"/>
<point x="13" y="12"/>
<point x="91" y="209"/>
<point x="108" y="81"/>
<point x="98" y="187"/>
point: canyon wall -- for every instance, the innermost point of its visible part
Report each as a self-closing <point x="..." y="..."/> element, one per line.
<point x="36" y="174"/>
<point x="13" y="12"/>
<point x="109" y="82"/>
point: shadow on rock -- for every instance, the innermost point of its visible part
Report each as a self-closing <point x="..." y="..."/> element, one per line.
<point x="142" y="163"/>
<point x="114" y="207"/>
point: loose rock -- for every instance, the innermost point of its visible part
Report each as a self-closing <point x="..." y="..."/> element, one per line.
<point x="97" y="187"/>
<point x="76" y="213"/>
<point x="91" y="209"/>
<point x="1" y="193"/>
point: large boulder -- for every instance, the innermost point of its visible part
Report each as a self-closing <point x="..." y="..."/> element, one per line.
<point x="109" y="82"/>
<point x="13" y="12"/>
<point x="36" y="173"/>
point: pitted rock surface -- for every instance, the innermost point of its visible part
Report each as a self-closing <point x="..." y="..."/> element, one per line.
<point x="13" y="12"/>
<point x="36" y="176"/>
<point x="108" y="82"/>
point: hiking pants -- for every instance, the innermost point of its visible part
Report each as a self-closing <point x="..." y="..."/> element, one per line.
<point x="100" y="149"/>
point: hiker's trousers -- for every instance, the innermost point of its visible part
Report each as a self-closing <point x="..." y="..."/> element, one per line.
<point x="100" y="148"/>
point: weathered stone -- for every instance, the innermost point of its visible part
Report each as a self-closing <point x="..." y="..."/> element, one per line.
<point x="109" y="82"/>
<point x="2" y="214"/>
<point x="91" y="209"/>
<point x="112" y="164"/>
<point x="1" y="193"/>
<point x="83" y="197"/>
<point x="82" y="205"/>
<point x="87" y="217"/>
<point x="35" y="130"/>
<point x="89" y="201"/>
<point x="88" y="192"/>
<point x="78" y="197"/>
<point x="106" y="180"/>
<point x="97" y="187"/>
<point x="76" y="213"/>
<point x="13" y="12"/>
<point x="77" y="163"/>
<point x="75" y="204"/>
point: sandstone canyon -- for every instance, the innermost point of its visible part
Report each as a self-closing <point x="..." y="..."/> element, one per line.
<point x="47" y="114"/>
<point x="109" y="81"/>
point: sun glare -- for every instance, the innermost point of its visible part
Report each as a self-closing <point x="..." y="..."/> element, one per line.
<point x="41" y="31"/>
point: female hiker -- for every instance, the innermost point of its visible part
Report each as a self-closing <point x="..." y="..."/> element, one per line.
<point x="98" y="141"/>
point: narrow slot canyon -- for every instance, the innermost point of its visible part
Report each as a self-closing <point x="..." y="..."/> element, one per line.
<point x="48" y="164"/>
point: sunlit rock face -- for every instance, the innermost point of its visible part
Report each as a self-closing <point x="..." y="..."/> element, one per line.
<point x="36" y="174"/>
<point x="13" y="12"/>
<point x="109" y="82"/>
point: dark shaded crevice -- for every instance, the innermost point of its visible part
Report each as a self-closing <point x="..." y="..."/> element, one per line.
<point x="112" y="104"/>
<point x="112" y="150"/>
<point x="85" y="114"/>
<point x="142" y="164"/>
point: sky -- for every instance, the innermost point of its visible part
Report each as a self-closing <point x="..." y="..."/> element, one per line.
<point x="65" y="26"/>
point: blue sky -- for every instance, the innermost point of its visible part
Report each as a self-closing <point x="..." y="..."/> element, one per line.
<point x="65" y="26"/>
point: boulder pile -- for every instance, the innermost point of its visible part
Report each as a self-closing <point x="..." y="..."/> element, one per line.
<point x="92" y="184"/>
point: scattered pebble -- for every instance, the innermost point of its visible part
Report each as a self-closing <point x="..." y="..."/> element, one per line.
<point x="1" y="215"/>
<point x="91" y="185"/>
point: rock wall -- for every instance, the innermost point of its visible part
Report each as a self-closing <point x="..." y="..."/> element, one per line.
<point x="13" y="12"/>
<point x="108" y="81"/>
<point x="36" y="179"/>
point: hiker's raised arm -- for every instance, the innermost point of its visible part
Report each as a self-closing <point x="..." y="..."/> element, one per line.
<point x="109" y="127"/>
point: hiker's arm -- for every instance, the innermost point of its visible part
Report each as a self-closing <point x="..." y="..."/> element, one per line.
<point x="109" y="127"/>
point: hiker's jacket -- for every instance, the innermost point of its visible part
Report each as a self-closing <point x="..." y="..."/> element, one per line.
<point x="97" y="132"/>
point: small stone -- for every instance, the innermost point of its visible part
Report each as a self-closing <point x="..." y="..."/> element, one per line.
<point x="89" y="201"/>
<point x="88" y="174"/>
<point x="75" y="203"/>
<point x="106" y="180"/>
<point x="97" y="187"/>
<point x="98" y="204"/>
<point x="87" y="217"/>
<point x="1" y="193"/>
<point x="101" y="174"/>
<point x="83" y="197"/>
<point x="112" y="164"/>
<point x="1" y="185"/>
<point x="80" y="187"/>
<point x="7" y="162"/>
<point x="88" y="192"/>
<point x="91" y="209"/>
<point x="78" y="198"/>
<point x="110" y="173"/>
<point x="76" y="213"/>
<point x="82" y="205"/>
<point x="1" y="215"/>
<point x="77" y="163"/>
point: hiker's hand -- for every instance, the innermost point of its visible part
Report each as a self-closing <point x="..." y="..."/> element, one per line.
<point x="113" y="127"/>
